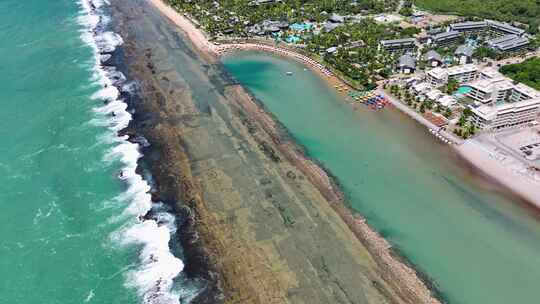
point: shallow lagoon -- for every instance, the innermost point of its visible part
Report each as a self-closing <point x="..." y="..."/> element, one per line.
<point x="478" y="245"/>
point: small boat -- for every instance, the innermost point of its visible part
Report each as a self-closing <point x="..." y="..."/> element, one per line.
<point x="289" y="73"/>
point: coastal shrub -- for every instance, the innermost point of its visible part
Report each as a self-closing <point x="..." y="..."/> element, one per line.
<point x="523" y="10"/>
<point x="527" y="72"/>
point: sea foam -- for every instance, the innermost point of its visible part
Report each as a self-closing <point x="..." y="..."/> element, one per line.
<point x="153" y="277"/>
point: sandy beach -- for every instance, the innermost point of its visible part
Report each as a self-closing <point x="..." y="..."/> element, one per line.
<point x="197" y="37"/>
<point x="490" y="165"/>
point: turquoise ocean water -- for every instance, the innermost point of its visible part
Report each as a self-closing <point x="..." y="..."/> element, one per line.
<point x="70" y="227"/>
<point x="477" y="244"/>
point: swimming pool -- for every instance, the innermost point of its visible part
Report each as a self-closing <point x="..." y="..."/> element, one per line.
<point x="301" y="26"/>
<point x="463" y="90"/>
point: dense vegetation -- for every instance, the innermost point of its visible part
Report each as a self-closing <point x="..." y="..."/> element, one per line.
<point x="361" y="64"/>
<point x="356" y="58"/>
<point x="527" y="72"/>
<point x="527" y="11"/>
<point x="217" y="16"/>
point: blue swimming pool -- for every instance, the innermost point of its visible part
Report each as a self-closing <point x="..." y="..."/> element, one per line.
<point x="463" y="90"/>
<point x="304" y="26"/>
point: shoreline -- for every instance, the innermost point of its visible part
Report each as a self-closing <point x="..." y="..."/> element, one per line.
<point x="518" y="185"/>
<point x="404" y="280"/>
<point x="146" y="275"/>
<point x="479" y="158"/>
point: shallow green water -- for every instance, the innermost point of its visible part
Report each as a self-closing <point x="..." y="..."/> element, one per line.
<point x="56" y="192"/>
<point x="478" y="246"/>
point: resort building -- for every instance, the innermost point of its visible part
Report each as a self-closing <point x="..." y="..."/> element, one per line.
<point x="445" y="38"/>
<point x="260" y="2"/>
<point x="500" y="90"/>
<point x="496" y="28"/>
<point x="490" y="91"/>
<point x="469" y="28"/>
<point x="331" y="50"/>
<point x="504" y="103"/>
<point x="464" y="54"/>
<point x="330" y="26"/>
<point x="424" y="92"/>
<point x="492" y="43"/>
<point x="496" y="117"/>
<point x="421" y="87"/>
<point x="404" y="45"/>
<point x="335" y="18"/>
<point x="464" y="73"/>
<point x="407" y="64"/>
<point x="508" y="43"/>
<point x="433" y="58"/>
<point x="446" y="100"/>
<point x="267" y="27"/>
<point x="486" y="27"/>
<point x="434" y="94"/>
<point x="489" y="73"/>
<point x="523" y="92"/>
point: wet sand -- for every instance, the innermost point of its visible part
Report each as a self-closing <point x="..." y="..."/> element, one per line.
<point x="261" y="223"/>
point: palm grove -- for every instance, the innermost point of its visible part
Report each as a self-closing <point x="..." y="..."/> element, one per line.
<point x="356" y="58"/>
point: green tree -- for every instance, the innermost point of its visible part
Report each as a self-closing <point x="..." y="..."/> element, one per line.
<point x="467" y="112"/>
<point x="451" y="86"/>
<point x="527" y="72"/>
<point x="447" y="113"/>
<point x="484" y="52"/>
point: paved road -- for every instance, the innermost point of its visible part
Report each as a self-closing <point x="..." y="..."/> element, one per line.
<point x="517" y="59"/>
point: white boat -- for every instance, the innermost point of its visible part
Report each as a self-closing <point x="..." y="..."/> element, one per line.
<point x="289" y="73"/>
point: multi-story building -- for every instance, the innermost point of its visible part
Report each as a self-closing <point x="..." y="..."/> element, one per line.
<point x="463" y="73"/>
<point x="490" y="91"/>
<point x="496" y="28"/>
<point x="469" y="28"/>
<point x="504" y="103"/>
<point x="433" y="58"/>
<point x="404" y="45"/>
<point x="437" y="77"/>
<point x="493" y="43"/>
<point x="499" y="89"/>
<point x="499" y="102"/>
<point x="508" y="43"/>
<point x="496" y="117"/>
<point x="522" y="92"/>
<point x="486" y="27"/>
<point x="407" y="64"/>
<point x="489" y="73"/>
<point x="445" y="38"/>
<point x="464" y="54"/>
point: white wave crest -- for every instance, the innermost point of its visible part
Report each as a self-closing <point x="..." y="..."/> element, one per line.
<point x="153" y="278"/>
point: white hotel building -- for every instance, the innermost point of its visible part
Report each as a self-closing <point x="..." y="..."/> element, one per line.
<point x="505" y="115"/>
<point x="461" y="73"/>
<point x="501" y="102"/>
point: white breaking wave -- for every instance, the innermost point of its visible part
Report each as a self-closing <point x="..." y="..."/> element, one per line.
<point x="153" y="277"/>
